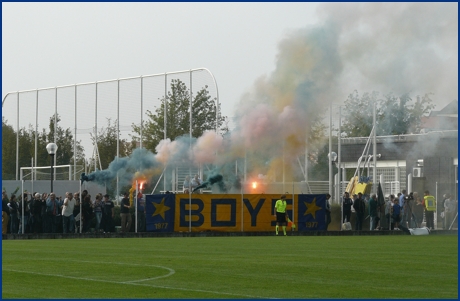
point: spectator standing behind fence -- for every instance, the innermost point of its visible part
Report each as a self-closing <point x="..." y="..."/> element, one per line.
<point x="355" y="197"/>
<point x="43" y="213"/>
<point x="196" y="181"/>
<point x="35" y="214"/>
<point x="87" y="211"/>
<point x="125" y="216"/>
<point x="450" y="208"/>
<point x="76" y="209"/>
<point x="402" y="202"/>
<point x="443" y="210"/>
<point x="430" y="208"/>
<point x="373" y="212"/>
<point x="13" y="206"/>
<point x="418" y="210"/>
<point x="346" y="205"/>
<point x="58" y="219"/>
<point x="360" y="209"/>
<point x="68" y="219"/>
<point x="388" y="211"/>
<point x="25" y="197"/>
<point x="98" y="211"/>
<point x="52" y="211"/>
<point x="186" y="186"/>
<point x="140" y="213"/>
<point x="408" y="209"/>
<point x="108" y="214"/>
<point x="396" y="209"/>
<point x="5" y="213"/>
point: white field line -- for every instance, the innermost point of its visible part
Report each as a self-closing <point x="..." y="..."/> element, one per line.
<point x="133" y="283"/>
<point x="171" y="271"/>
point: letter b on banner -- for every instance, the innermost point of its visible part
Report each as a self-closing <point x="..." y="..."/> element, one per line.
<point x="195" y="209"/>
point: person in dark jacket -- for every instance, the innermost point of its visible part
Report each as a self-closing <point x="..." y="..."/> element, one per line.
<point x="26" y="202"/>
<point x="125" y="216"/>
<point x="35" y="214"/>
<point x="5" y="213"/>
<point x="108" y="213"/>
<point x="13" y="206"/>
<point x="360" y="209"/>
<point x="373" y="206"/>
<point x="347" y="202"/>
<point x="87" y="211"/>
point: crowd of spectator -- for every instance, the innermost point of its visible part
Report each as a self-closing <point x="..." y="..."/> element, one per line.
<point x="399" y="211"/>
<point x="48" y="213"/>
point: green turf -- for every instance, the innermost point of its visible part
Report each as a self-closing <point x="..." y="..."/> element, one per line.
<point x="233" y="267"/>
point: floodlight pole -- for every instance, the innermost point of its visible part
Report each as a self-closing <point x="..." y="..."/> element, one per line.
<point x="51" y="148"/>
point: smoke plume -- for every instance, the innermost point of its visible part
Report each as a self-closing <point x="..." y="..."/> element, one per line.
<point x="387" y="47"/>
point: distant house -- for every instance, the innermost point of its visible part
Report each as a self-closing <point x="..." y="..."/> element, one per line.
<point x="430" y="158"/>
<point x="445" y="119"/>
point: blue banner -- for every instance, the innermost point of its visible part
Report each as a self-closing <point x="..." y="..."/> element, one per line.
<point x="160" y="209"/>
<point x="227" y="212"/>
<point x="311" y="212"/>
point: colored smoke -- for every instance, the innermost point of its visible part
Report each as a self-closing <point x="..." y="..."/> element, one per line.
<point x="386" y="47"/>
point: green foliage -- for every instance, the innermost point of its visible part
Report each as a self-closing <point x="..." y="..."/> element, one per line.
<point x="394" y="115"/>
<point x="358" y="115"/>
<point x="8" y="150"/>
<point x="178" y="116"/>
<point x="293" y="267"/>
<point x="64" y="139"/>
<point x="320" y="170"/>
<point x="27" y="138"/>
<point x="107" y="144"/>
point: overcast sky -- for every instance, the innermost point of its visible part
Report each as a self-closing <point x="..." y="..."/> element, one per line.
<point x="290" y="58"/>
<point x="52" y="44"/>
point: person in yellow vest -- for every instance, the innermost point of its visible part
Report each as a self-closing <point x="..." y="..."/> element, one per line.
<point x="429" y="203"/>
<point x="280" y="213"/>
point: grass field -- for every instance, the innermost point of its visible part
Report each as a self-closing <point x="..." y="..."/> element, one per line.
<point x="233" y="267"/>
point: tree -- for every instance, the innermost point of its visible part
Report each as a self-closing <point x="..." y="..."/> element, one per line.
<point x="28" y="138"/>
<point x="107" y="144"/>
<point x="26" y="150"/>
<point x="358" y="114"/>
<point x="394" y="115"/>
<point x="8" y="151"/>
<point x="65" y="142"/>
<point x="178" y="116"/>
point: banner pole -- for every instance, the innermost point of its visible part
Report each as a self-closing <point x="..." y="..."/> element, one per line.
<point x="22" y="213"/>
<point x="135" y="206"/>
<point x="242" y="209"/>
<point x="293" y="204"/>
<point x="81" y="225"/>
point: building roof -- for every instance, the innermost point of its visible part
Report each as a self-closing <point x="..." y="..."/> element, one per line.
<point x="451" y="110"/>
<point x="444" y="119"/>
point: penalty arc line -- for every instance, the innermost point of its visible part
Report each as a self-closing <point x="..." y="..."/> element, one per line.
<point x="171" y="271"/>
<point x="132" y="283"/>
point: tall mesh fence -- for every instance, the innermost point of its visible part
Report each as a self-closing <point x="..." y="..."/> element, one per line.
<point x="85" y="109"/>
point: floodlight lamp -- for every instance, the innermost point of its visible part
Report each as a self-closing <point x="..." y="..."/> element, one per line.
<point x="51" y="148"/>
<point x="332" y="156"/>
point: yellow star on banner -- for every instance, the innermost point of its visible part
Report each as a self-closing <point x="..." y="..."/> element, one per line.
<point x="311" y="208"/>
<point x="160" y="208"/>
